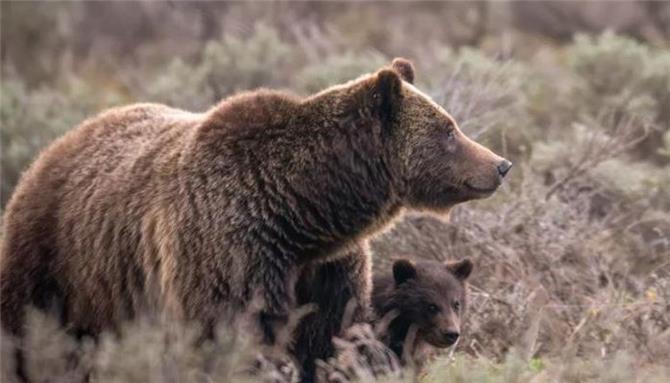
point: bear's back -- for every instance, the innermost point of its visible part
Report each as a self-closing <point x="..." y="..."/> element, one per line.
<point x="112" y="153"/>
<point x="78" y="210"/>
<point x="105" y="142"/>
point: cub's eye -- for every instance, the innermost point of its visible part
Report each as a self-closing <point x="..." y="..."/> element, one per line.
<point x="457" y="306"/>
<point x="433" y="308"/>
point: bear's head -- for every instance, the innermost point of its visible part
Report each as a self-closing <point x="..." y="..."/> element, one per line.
<point x="436" y="164"/>
<point x="429" y="295"/>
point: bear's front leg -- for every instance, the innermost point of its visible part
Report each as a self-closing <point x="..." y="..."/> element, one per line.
<point x="277" y="280"/>
<point x="330" y="286"/>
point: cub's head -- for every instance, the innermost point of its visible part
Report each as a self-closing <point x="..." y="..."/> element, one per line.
<point x="429" y="295"/>
<point x="437" y="165"/>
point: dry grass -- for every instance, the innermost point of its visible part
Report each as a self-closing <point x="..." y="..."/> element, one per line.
<point x="572" y="278"/>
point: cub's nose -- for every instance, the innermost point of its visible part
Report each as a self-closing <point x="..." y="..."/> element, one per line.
<point x="451" y="337"/>
<point x="504" y="167"/>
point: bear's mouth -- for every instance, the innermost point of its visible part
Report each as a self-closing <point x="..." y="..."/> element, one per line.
<point x="439" y="343"/>
<point x="479" y="190"/>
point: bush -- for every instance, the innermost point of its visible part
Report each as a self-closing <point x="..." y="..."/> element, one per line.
<point x="32" y="118"/>
<point x="571" y="280"/>
<point x="336" y="69"/>
<point x="617" y="74"/>
<point x="226" y="66"/>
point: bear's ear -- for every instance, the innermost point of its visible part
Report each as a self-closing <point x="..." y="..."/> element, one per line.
<point x="460" y="269"/>
<point x="403" y="270"/>
<point x="405" y="69"/>
<point x="387" y="93"/>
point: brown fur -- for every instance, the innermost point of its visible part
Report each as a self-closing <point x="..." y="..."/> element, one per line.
<point x="147" y="207"/>
<point x="404" y="68"/>
<point x="405" y="330"/>
<point x="427" y="298"/>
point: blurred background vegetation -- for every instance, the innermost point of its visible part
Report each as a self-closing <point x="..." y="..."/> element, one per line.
<point x="573" y="256"/>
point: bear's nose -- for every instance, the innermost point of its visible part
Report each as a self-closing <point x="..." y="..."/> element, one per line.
<point x="504" y="167"/>
<point x="451" y="336"/>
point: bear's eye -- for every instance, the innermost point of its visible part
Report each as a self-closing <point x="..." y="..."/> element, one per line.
<point x="456" y="305"/>
<point x="433" y="308"/>
<point x="450" y="132"/>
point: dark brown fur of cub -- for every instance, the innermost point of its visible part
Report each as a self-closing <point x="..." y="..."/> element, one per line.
<point x="424" y="300"/>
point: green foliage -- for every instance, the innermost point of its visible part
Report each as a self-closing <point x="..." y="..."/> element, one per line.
<point x="336" y="69"/>
<point x="180" y="85"/>
<point x="262" y="59"/>
<point x="617" y="74"/>
<point x="633" y="179"/>
<point x="536" y="364"/>
<point x="571" y="256"/>
<point x="610" y="64"/>
<point x="32" y="118"/>
<point x="228" y="65"/>
<point x="234" y="64"/>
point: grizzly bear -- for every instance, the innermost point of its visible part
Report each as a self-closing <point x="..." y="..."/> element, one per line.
<point x="418" y="308"/>
<point x="195" y="215"/>
<point x="423" y="301"/>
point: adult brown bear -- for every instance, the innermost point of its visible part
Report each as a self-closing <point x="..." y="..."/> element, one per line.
<point x="147" y="207"/>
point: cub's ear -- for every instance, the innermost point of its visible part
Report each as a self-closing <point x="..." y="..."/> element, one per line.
<point x="387" y="93"/>
<point x="405" y="69"/>
<point x="460" y="269"/>
<point x="403" y="270"/>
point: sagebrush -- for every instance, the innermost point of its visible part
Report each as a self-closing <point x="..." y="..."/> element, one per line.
<point x="572" y="279"/>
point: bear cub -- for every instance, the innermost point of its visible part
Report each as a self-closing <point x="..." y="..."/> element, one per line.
<point x="425" y="299"/>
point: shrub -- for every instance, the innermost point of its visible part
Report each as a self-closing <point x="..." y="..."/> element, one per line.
<point x="32" y="118"/>
<point x="618" y="74"/>
<point x="571" y="283"/>
<point x="226" y="66"/>
<point x="336" y="69"/>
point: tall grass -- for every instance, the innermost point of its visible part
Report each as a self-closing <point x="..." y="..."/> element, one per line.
<point x="572" y="278"/>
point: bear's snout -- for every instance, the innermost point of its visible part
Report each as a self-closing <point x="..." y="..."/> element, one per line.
<point x="504" y="167"/>
<point x="450" y="337"/>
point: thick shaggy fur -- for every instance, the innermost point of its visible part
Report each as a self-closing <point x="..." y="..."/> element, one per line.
<point x="150" y="208"/>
